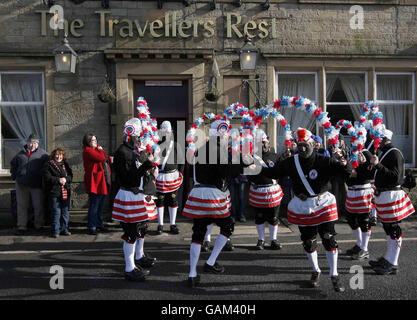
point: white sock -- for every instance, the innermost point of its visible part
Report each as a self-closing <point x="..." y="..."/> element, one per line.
<point x="273" y="232"/>
<point x="139" y="248"/>
<point x="129" y="254"/>
<point x="332" y="259"/>
<point x="261" y="231"/>
<point x="366" y="236"/>
<point x="394" y="252"/>
<point x="160" y="211"/>
<point x="172" y="215"/>
<point x="195" y="250"/>
<point x="207" y="236"/>
<point x="218" y="246"/>
<point x="358" y="235"/>
<point x="373" y="212"/>
<point x="313" y="257"/>
<point x="388" y="251"/>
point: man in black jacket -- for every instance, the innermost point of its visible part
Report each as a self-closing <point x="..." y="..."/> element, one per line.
<point x="129" y="206"/>
<point x="209" y="200"/>
<point x="26" y="170"/>
<point x="313" y="207"/>
<point x="392" y="203"/>
<point x="265" y="196"/>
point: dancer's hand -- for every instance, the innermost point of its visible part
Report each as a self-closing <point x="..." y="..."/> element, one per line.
<point x="374" y="160"/>
<point x="361" y="158"/>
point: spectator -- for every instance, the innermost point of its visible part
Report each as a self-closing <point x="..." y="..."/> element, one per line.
<point x="26" y="170"/>
<point x="318" y="146"/>
<point x="96" y="180"/>
<point x="57" y="176"/>
<point x="237" y="187"/>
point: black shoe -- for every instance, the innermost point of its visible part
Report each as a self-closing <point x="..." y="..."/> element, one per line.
<point x="20" y="232"/>
<point x="228" y="246"/>
<point x="354" y="250"/>
<point x="315" y="280"/>
<point x="217" y="268"/>
<point x="242" y="219"/>
<point x="102" y="229"/>
<point x="174" y="229"/>
<point x="337" y="284"/>
<point x="260" y="245"/>
<point x="65" y="233"/>
<point x="275" y="245"/>
<point x="377" y="263"/>
<point x="92" y="232"/>
<point x="160" y="229"/>
<point x="361" y="255"/>
<point x="206" y="246"/>
<point x="135" y="275"/>
<point x="193" y="282"/>
<point x="386" y="268"/>
<point x="145" y="262"/>
<point x="372" y="221"/>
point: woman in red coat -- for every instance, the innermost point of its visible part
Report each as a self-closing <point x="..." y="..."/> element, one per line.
<point x="97" y="181"/>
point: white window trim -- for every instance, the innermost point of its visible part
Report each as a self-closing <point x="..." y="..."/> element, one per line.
<point x="26" y="103"/>
<point x="412" y="102"/>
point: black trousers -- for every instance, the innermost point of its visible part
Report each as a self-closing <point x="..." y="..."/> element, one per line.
<point x="326" y="232"/>
<point x="359" y="220"/>
<point x="134" y="231"/>
<point x="269" y="215"/>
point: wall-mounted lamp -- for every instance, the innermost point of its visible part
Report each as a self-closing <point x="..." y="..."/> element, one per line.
<point x="248" y="56"/>
<point x="65" y="58"/>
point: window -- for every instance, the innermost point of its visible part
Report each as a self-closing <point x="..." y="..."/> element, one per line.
<point x="22" y="110"/>
<point x="346" y="92"/>
<point x="295" y="84"/>
<point x="395" y="94"/>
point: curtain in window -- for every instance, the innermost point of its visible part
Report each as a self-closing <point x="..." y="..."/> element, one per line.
<point x="354" y="88"/>
<point x="292" y="86"/>
<point x="23" y="120"/>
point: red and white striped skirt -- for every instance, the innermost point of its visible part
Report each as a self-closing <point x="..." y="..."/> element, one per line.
<point x="265" y="197"/>
<point x="207" y="202"/>
<point x="393" y="206"/>
<point x="359" y="201"/>
<point x="151" y="208"/>
<point x="313" y="211"/>
<point x="168" y="182"/>
<point x="129" y="207"/>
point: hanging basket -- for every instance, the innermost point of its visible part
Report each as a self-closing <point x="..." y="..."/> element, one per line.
<point x="106" y="94"/>
<point x="212" y="95"/>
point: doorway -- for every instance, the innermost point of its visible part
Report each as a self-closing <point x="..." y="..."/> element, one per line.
<point x="167" y="100"/>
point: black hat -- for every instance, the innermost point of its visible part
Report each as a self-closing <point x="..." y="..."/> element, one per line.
<point x="33" y="138"/>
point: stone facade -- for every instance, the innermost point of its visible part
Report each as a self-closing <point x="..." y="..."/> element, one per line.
<point x="306" y="31"/>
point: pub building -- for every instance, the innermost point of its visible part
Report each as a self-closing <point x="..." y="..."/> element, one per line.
<point x="61" y="60"/>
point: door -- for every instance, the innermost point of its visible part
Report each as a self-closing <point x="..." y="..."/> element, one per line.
<point x="167" y="100"/>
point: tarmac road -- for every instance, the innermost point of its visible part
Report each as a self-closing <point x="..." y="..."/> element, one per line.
<point x="93" y="268"/>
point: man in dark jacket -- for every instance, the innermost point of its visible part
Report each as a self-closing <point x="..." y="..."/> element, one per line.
<point x="392" y="203"/>
<point x="26" y="170"/>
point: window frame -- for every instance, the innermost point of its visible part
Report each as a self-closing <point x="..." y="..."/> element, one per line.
<point x="4" y="171"/>
<point x="399" y="102"/>
<point x="347" y="72"/>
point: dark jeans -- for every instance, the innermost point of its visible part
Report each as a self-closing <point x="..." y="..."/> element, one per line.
<point x="237" y="193"/>
<point x="95" y="210"/>
<point x="59" y="214"/>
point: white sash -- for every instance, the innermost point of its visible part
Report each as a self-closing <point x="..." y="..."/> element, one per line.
<point x="171" y="144"/>
<point x="386" y="153"/>
<point x="302" y="176"/>
<point x="263" y="164"/>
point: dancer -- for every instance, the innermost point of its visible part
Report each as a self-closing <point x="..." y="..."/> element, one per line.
<point x="265" y="196"/>
<point x="359" y="206"/>
<point x="313" y="207"/>
<point x="209" y="200"/>
<point x="129" y="207"/>
<point x="169" y="180"/>
<point x="392" y="203"/>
